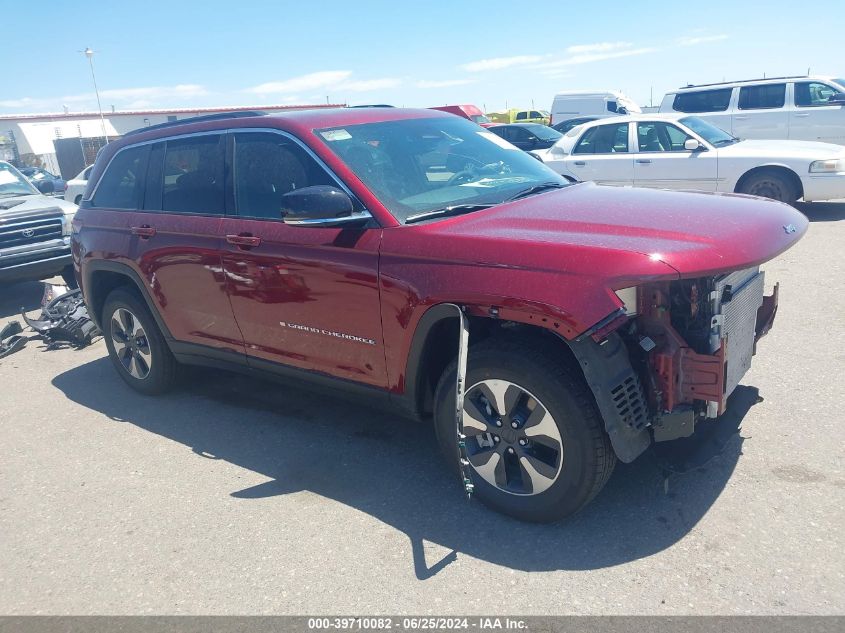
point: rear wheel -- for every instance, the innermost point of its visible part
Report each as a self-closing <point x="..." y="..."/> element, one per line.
<point x="136" y="347"/>
<point x="770" y="184"/>
<point x="535" y="442"/>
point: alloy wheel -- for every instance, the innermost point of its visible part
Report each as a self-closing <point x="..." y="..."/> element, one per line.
<point x="131" y="345"/>
<point x="513" y="442"/>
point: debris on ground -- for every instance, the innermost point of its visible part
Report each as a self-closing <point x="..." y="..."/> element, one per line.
<point x="64" y="320"/>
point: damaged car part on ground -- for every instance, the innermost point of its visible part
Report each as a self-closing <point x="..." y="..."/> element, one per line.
<point x="63" y="320"/>
<point x="600" y="319"/>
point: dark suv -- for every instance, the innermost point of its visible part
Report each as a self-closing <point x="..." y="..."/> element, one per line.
<point x="348" y="247"/>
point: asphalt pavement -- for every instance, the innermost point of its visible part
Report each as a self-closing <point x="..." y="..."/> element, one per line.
<point x="234" y="496"/>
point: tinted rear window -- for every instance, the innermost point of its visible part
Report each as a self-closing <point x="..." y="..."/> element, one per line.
<point x="703" y="100"/>
<point x="763" y="97"/>
<point x="122" y="184"/>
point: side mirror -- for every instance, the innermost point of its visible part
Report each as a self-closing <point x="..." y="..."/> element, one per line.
<point x="621" y="110"/>
<point x="45" y="186"/>
<point x="320" y="205"/>
<point x="692" y="145"/>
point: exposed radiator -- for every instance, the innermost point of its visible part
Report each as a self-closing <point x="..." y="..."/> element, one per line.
<point x="736" y="299"/>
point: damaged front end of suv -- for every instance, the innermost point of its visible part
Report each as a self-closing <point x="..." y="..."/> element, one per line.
<point x="690" y="342"/>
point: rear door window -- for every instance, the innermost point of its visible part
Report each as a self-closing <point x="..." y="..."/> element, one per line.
<point x="703" y="100"/>
<point x="810" y="94"/>
<point x="193" y="175"/>
<point x="521" y="116"/>
<point x="266" y="167"/>
<point x="604" y="139"/>
<point x="764" y="97"/>
<point x="122" y="185"/>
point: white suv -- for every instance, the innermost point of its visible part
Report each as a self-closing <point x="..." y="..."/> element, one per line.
<point x="798" y="108"/>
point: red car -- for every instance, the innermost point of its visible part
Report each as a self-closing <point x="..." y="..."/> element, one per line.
<point x="342" y="247"/>
<point x="469" y="112"/>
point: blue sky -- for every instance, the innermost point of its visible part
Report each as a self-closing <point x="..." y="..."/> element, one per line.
<point x="189" y="54"/>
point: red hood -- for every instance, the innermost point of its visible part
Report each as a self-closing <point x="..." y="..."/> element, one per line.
<point x="620" y="233"/>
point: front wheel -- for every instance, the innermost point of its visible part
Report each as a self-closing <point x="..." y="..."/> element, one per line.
<point x="770" y="184"/>
<point x="136" y="347"/>
<point x="535" y="441"/>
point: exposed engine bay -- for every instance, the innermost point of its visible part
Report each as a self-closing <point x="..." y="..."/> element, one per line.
<point x="692" y="341"/>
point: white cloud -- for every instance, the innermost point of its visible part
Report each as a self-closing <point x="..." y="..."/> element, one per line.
<point x="368" y="85"/>
<point x="595" y="57"/>
<point x="499" y="63"/>
<point x="692" y="41"/>
<point x="24" y="102"/>
<point x="311" y="81"/>
<point x="444" y="83"/>
<point x="134" y="95"/>
<point x="335" y="80"/>
<point x="599" y="47"/>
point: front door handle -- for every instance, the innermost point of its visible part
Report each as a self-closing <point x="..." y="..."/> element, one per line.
<point x="579" y="163"/>
<point x="244" y="240"/>
<point x="145" y="231"/>
<point x="801" y="114"/>
<point x="644" y="161"/>
<point x="740" y="117"/>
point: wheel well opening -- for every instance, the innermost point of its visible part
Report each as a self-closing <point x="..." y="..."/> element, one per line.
<point x="785" y="172"/>
<point x="441" y="348"/>
<point x="101" y="284"/>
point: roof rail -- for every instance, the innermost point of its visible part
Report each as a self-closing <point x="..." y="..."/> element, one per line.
<point x="742" y="81"/>
<point x="198" y="119"/>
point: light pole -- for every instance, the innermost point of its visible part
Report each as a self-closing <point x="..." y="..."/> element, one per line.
<point x="90" y="55"/>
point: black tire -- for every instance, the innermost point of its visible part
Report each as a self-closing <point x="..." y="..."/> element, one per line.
<point x="770" y="184"/>
<point x="146" y="348"/>
<point x="587" y="456"/>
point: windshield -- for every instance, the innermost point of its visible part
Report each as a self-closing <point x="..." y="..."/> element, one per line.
<point x="419" y="165"/>
<point x="12" y="183"/>
<point x="479" y="118"/>
<point x="840" y="83"/>
<point x="716" y="136"/>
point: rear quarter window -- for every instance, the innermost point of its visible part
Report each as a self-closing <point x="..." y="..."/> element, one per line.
<point x="703" y="100"/>
<point x="123" y="181"/>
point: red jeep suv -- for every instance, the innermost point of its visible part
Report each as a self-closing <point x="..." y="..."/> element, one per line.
<point x="350" y="248"/>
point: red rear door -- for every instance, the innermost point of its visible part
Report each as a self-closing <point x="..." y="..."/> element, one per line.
<point x="177" y="242"/>
<point x="304" y="297"/>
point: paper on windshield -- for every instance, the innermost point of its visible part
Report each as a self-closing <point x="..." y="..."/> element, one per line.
<point x="7" y="177"/>
<point x="336" y="135"/>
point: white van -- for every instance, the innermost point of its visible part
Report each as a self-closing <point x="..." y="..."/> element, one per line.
<point x="801" y="108"/>
<point x="590" y="104"/>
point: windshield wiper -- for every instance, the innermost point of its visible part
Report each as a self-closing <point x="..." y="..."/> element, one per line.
<point x="455" y="209"/>
<point x="537" y="189"/>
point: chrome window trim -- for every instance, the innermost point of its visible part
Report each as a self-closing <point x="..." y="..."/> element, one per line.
<point x="364" y="213"/>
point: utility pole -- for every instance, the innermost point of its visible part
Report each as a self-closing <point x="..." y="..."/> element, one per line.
<point x="89" y="53"/>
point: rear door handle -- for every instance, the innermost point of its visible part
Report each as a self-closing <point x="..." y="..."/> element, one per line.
<point x="801" y="114"/>
<point x="244" y="240"/>
<point x="579" y="163"/>
<point x="740" y="117"/>
<point x="145" y="231"/>
<point x="644" y="161"/>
